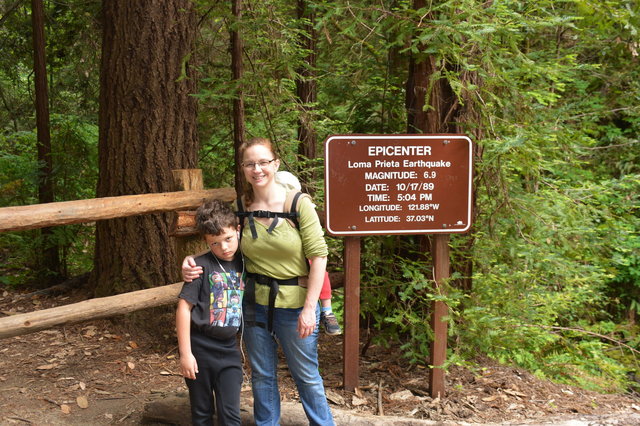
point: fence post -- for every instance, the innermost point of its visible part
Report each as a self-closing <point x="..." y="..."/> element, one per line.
<point x="192" y="243"/>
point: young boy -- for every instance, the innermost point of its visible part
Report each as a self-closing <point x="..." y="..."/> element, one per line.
<point x="208" y="317"/>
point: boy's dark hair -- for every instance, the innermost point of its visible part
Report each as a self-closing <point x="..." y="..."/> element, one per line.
<point x="214" y="216"/>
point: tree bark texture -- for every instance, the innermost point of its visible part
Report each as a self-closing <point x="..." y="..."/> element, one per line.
<point x="238" y="102"/>
<point x="49" y="262"/>
<point x="421" y="91"/>
<point x="147" y="129"/>
<point x="306" y="87"/>
<point x="440" y="115"/>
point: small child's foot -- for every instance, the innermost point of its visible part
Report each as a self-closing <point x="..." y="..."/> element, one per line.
<point x="330" y="324"/>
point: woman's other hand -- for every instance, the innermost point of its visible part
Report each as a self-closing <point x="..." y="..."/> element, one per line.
<point x="306" y="322"/>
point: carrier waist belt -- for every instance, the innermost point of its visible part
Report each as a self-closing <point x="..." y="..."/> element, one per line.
<point x="266" y="280"/>
<point x="250" y="297"/>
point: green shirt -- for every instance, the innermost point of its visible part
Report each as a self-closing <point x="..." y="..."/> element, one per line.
<point x="283" y="253"/>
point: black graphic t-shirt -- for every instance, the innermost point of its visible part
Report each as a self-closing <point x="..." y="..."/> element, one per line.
<point x="216" y="296"/>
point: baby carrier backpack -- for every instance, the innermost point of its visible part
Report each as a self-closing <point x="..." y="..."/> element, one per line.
<point x="291" y="214"/>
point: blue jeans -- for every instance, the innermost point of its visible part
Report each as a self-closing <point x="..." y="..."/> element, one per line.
<point x="302" y="360"/>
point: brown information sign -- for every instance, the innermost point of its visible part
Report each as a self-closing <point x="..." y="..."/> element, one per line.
<point x="398" y="184"/>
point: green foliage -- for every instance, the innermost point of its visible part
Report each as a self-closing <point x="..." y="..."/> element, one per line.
<point x="72" y="54"/>
<point x="74" y="151"/>
<point x="556" y="232"/>
<point x="18" y="169"/>
<point x="554" y="89"/>
<point x="397" y="294"/>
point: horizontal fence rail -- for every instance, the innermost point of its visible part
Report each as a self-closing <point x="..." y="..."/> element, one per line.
<point x="16" y="325"/>
<point x="20" y="218"/>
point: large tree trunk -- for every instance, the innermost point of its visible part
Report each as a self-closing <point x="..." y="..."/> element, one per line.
<point x="438" y="118"/>
<point x="444" y="115"/>
<point x="49" y="270"/>
<point x="306" y="89"/>
<point x="147" y="128"/>
<point x="238" y="102"/>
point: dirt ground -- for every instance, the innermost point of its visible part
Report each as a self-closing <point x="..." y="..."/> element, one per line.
<point x="107" y="371"/>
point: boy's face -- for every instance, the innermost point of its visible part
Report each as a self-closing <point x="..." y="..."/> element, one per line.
<point x="224" y="245"/>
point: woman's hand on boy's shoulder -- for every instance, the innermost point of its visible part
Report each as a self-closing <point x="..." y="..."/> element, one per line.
<point x="190" y="271"/>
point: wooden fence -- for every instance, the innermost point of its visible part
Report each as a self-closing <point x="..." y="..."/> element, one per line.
<point x="68" y="212"/>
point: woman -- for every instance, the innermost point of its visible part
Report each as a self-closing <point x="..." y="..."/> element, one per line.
<point x="284" y="308"/>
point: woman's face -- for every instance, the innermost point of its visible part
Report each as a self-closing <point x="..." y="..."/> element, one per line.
<point x="259" y="165"/>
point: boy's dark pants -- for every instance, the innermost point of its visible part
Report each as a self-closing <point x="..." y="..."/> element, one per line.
<point x="219" y="372"/>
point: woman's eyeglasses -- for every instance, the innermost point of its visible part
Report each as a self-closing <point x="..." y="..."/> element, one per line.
<point x="261" y="163"/>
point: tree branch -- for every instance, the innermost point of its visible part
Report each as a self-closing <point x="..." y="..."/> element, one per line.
<point x="11" y="9"/>
<point x="593" y="148"/>
<point x="582" y="330"/>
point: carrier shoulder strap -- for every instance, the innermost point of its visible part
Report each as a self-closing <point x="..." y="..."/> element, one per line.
<point x="240" y="206"/>
<point x="242" y="215"/>
<point x="290" y="213"/>
<point x="291" y="206"/>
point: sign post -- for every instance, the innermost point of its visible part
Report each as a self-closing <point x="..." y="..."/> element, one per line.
<point x="397" y="184"/>
<point x="350" y="367"/>
<point x="439" y="310"/>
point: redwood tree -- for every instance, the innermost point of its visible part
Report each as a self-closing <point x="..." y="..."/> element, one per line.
<point x="237" y="71"/>
<point x="432" y="107"/>
<point x="147" y="128"/>
<point x="49" y="265"/>
<point x="306" y="83"/>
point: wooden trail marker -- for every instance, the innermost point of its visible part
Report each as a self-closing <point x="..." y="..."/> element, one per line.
<point x="397" y="184"/>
